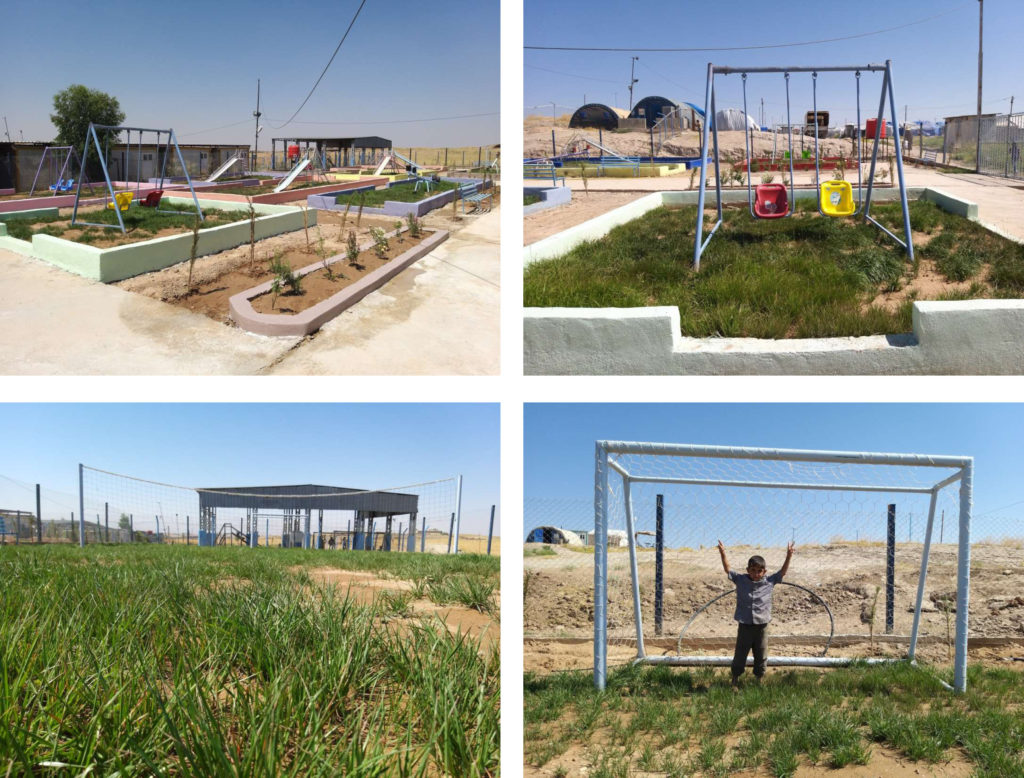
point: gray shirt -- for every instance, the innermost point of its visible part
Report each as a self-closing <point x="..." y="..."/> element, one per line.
<point x="754" y="598"/>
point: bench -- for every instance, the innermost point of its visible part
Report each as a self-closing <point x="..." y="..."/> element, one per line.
<point x="930" y="155"/>
<point x="468" y="193"/>
<point x="542" y="170"/>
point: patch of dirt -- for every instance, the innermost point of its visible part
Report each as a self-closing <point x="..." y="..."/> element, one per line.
<point x="219" y="276"/>
<point x="582" y="207"/>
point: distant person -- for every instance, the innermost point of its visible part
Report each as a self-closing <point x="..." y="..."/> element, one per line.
<point x="753" y="611"/>
<point x="331" y="543"/>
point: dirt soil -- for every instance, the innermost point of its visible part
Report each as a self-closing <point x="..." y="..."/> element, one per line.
<point x="365" y="587"/>
<point x="731" y="144"/>
<point x="582" y="207"/>
<point x="218" y="276"/>
<point x="558" y="609"/>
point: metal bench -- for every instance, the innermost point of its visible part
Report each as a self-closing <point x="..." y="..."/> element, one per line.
<point x="930" y="155"/>
<point x="542" y="170"/>
<point x="469" y="193"/>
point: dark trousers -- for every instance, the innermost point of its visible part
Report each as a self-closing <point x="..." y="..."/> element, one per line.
<point x="750" y="636"/>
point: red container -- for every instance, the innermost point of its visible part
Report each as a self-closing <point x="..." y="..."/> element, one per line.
<point x="293" y="151"/>
<point x="870" y="129"/>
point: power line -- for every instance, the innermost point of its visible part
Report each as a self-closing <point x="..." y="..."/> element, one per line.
<point x="211" y="129"/>
<point x="573" y="75"/>
<point x="402" y="121"/>
<point x="336" y="50"/>
<point x="751" y="48"/>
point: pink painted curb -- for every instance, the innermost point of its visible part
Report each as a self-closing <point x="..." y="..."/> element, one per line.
<point x="314" y="318"/>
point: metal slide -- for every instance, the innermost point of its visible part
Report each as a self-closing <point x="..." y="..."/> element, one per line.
<point x="586" y="139"/>
<point x="301" y="165"/>
<point x="223" y="168"/>
<point x="395" y="155"/>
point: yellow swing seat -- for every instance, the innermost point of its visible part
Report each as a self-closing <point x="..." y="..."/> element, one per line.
<point x="837" y="198"/>
<point x="124" y="199"/>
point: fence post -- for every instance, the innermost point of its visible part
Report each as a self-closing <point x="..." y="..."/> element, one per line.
<point x="131" y="527"/>
<point x="446" y="157"/>
<point x="39" y="516"/>
<point x="451" y="531"/>
<point x="890" y="568"/>
<point x="106" y="517"/>
<point x="187" y="530"/>
<point x="17" y="527"/>
<point x="659" y="569"/>
<point x="423" y="536"/>
<point x="458" y="515"/>
<point x="81" y="506"/>
<point x="490" y="532"/>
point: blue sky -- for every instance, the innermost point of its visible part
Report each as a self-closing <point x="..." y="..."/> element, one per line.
<point x="558" y="446"/>
<point x="193" y="66"/>
<point x="362" y="446"/>
<point x="934" y="63"/>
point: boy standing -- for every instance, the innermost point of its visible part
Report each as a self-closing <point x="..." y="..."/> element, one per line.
<point x="753" y="610"/>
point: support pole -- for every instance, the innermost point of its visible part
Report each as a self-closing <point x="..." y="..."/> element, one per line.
<point x="899" y="167"/>
<point x="490" y="532"/>
<point x="106" y="519"/>
<point x="458" y="515"/>
<point x="39" y="516"/>
<point x="411" y="540"/>
<point x="659" y="569"/>
<point x="81" y="503"/>
<point x="601" y="567"/>
<point x="922" y="576"/>
<point x="451" y="531"/>
<point x="423" y="536"/>
<point x="963" y="578"/>
<point x="890" y="568"/>
<point x="981" y="19"/>
<point x="188" y="533"/>
<point x="633" y="569"/>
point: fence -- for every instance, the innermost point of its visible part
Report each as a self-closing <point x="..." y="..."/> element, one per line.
<point x="842" y="544"/>
<point x="1002" y="143"/>
<point x="464" y="158"/>
<point x="122" y="509"/>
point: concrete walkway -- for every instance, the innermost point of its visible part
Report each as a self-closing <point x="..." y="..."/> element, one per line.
<point x="1000" y="200"/>
<point x="440" y="317"/>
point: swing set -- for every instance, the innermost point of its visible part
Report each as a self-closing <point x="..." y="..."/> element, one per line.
<point x="119" y="202"/>
<point x="834" y="197"/>
<point x="58" y="162"/>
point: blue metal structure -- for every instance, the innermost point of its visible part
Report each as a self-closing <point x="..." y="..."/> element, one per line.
<point x="700" y="243"/>
<point x="93" y="138"/>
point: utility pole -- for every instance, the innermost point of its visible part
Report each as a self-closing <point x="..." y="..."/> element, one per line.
<point x="981" y="14"/>
<point x="632" y="80"/>
<point x="553" y="117"/>
<point x="1009" y="123"/>
<point x="762" y="112"/>
<point x="7" y="132"/>
<point x="257" y="114"/>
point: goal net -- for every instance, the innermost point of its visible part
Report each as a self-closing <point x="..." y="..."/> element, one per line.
<point x="880" y="570"/>
<point x="119" y="508"/>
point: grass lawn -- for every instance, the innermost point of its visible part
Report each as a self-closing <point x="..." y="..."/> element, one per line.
<point x="401" y="193"/>
<point x="678" y="722"/>
<point x="530" y="199"/>
<point x="169" y="660"/>
<point x="141" y="223"/>
<point x="800" y="277"/>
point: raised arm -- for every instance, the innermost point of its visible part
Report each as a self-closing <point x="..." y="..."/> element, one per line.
<point x="725" y="561"/>
<point x="789" y="556"/>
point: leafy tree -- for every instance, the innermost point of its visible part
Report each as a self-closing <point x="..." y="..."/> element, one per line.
<point x="78" y="105"/>
<point x="125" y="522"/>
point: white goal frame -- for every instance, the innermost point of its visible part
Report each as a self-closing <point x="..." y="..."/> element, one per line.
<point x="606" y="461"/>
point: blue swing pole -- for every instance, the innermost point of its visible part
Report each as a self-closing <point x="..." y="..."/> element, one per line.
<point x="746" y="142"/>
<point x="789" y="134"/>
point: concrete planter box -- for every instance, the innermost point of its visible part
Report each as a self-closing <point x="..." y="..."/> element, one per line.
<point x="972" y="337"/>
<point x="120" y="262"/>
<point x="393" y="207"/>
<point x="549" y="197"/>
<point x="292" y="196"/>
<point x="312" y="319"/>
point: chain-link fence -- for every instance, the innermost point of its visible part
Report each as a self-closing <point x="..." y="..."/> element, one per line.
<point x="423" y="517"/>
<point x="1002" y="143"/>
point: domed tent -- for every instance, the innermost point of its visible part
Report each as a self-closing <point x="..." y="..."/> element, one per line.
<point x="652" y="108"/>
<point x="733" y="119"/>
<point x="597" y="116"/>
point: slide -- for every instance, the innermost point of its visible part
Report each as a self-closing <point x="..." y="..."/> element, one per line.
<point x="301" y="165"/>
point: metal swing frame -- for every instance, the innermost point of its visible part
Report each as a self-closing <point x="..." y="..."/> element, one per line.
<point x="711" y="129"/>
<point x="92" y="138"/>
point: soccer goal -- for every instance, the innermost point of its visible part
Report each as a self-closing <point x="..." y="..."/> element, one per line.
<point x="880" y="573"/>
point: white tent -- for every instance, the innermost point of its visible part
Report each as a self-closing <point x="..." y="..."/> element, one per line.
<point x="733" y="119"/>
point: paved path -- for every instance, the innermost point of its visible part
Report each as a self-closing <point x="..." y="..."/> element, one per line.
<point x="1000" y="201"/>
<point x="440" y="317"/>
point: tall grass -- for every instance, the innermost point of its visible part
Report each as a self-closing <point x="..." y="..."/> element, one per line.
<point x="805" y="276"/>
<point x="170" y="660"/>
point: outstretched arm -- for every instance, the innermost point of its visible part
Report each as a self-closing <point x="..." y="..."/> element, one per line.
<point x="789" y="556"/>
<point x="725" y="561"/>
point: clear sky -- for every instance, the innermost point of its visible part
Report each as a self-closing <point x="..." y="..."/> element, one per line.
<point x="935" y="64"/>
<point x="559" y="439"/>
<point x="192" y="66"/>
<point x="363" y="446"/>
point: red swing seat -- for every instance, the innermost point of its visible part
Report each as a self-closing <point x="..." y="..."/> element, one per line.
<point x="152" y="200"/>
<point x="770" y="201"/>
